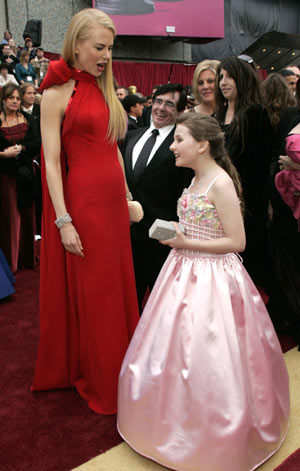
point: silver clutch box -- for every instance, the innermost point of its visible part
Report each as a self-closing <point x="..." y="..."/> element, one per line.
<point x="163" y="230"/>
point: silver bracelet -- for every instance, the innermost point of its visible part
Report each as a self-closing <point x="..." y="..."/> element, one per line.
<point x="63" y="220"/>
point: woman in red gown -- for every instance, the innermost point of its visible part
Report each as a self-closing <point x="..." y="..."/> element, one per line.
<point x="88" y="307"/>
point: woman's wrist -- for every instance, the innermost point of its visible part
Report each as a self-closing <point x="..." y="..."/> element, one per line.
<point x="62" y="220"/>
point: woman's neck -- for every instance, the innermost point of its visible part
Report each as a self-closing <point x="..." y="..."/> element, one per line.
<point x="11" y="114"/>
<point x="229" y="113"/>
<point x="205" y="108"/>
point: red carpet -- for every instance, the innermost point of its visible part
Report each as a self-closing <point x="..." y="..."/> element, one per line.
<point x="292" y="463"/>
<point x="47" y="431"/>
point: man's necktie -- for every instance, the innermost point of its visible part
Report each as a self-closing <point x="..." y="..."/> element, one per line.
<point x="142" y="160"/>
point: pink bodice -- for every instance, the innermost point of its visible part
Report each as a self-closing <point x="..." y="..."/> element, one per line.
<point x="199" y="218"/>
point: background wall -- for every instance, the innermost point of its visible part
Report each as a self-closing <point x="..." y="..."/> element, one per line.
<point x="56" y="15"/>
<point x="246" y="21"/>
<point x="2" y="18"/>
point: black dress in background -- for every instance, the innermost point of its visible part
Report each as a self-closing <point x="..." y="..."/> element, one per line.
<point x="284" y="290"/>
<point x="252" y="160"/>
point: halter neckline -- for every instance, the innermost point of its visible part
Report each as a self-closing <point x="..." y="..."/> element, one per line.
<point x="59" y="73"/>
<point x="82" y="76"/>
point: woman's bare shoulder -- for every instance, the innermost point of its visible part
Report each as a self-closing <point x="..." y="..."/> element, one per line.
<point x="57" y="96"/>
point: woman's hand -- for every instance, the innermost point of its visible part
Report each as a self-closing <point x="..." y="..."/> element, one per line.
<point x="286" y="163"/>
<point x="179" y="241"/>
<point x="70" y="239"/>
<point x="11" y="152"/>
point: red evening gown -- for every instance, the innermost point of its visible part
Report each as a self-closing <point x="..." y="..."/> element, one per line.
<point x="88" y="306"/>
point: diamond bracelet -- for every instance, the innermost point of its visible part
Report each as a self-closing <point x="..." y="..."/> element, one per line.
<point x="63" y="220"/>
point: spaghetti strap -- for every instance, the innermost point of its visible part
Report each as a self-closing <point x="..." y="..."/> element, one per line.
<point x="213" y="181"/>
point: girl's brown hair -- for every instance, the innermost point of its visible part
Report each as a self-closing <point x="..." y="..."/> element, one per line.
<point x="206" y="128"/>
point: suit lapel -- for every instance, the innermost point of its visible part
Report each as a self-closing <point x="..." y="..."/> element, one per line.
<point x="128" y="153"/>
<point x="162" y="153"/>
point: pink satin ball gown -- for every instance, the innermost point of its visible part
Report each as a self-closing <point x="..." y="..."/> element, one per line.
<point x="204" y="386"/>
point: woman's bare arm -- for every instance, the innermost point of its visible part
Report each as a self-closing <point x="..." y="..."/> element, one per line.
<point x="123" y="169"/>
<point x="53" y="105"/>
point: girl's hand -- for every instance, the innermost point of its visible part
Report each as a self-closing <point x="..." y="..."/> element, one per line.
<point x="286" y="163"/>
<point x="70" y="239"/>
<point x="179" y="241"/>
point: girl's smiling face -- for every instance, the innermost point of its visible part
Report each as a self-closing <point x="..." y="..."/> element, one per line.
<point x="185" y="147"/>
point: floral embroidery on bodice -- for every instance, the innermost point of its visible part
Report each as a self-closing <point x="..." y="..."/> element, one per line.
<point x="199" y="216"/>
<point x="195" y="208"/>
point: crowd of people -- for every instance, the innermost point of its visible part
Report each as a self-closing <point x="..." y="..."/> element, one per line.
<point x="222" y="158"/>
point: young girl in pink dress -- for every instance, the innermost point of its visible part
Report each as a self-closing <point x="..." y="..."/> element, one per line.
<point x="204" y="386"/>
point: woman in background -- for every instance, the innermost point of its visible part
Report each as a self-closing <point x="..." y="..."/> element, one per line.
<point x="13" y="47"/>
<point x="24" y="71"/>
<point x="280" y="103"/>
<point x="204" y="86"/>
<point x="248" y="135"/>
<point x="284" y="302"/>
<point x="19" y="143"/>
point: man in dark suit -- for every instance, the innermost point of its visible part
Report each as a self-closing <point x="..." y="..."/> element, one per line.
<point x="133" y="105"/>
<point x="156" y="184"/>
<point x="8" y="58"/>
<point x="29" y="106"/>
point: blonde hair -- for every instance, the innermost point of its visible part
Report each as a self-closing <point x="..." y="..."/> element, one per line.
<point x="79" y="29"/>
<point x="207" y="64"/>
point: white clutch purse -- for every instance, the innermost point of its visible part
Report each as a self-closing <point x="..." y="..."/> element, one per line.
<point x="136" y="212"/>
<point x="163" y="230"/>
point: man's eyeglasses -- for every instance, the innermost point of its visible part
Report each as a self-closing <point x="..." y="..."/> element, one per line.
<point x="167" y="104"/>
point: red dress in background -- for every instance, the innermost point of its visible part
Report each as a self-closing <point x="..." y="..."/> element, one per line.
<point x="88" y="306"/>
<point x="17" y="224"/>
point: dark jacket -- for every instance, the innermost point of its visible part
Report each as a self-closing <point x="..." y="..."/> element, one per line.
<point x="21" y="167"/>
<point x="160" y="186"/>
<point x="132" y="124"/>
<point x="36" y="115"/>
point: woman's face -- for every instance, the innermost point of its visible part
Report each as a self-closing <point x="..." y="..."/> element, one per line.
<point x="184" y="147"/>
<point x="29" y="96"/>
<point x="206" y="86"/>
<point x="26" y="58"/>
<point x="228" y="86"/>
<point x="12" y="102"/>
<point x="93" y="54"/>
<point x="11" y="42"/>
